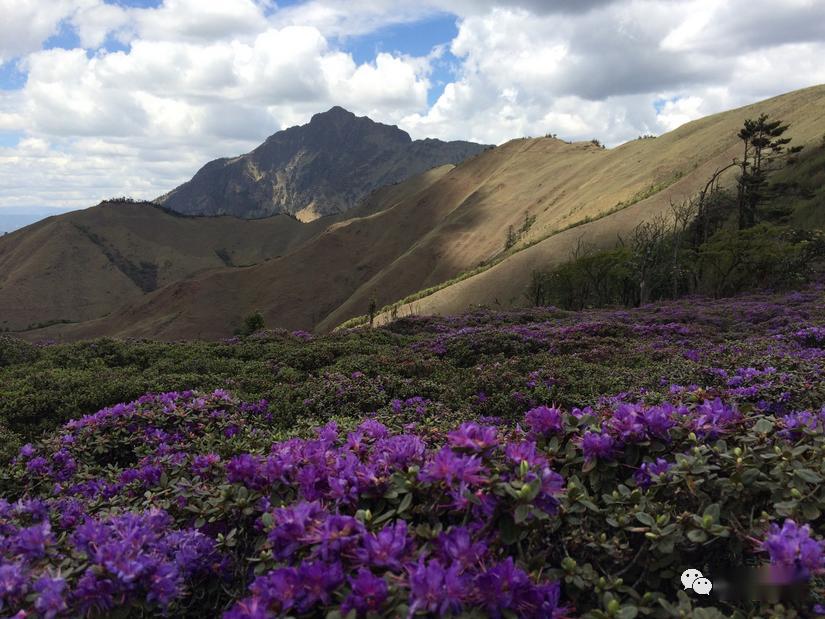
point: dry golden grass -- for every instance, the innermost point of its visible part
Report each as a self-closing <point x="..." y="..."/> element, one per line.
<point x="694" y="150"/>
<point x="431" y="229"/>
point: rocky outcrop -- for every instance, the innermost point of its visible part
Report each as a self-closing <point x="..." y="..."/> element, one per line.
<point x="324" y="167"/>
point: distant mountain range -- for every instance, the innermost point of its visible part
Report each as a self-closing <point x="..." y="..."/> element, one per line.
<point x="322" y="168"/>
<point x="140" y="270"/>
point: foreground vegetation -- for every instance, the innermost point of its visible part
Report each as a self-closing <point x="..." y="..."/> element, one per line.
<point x="509" y="464"/>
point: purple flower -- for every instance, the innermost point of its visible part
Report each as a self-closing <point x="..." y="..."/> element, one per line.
<point x="202" y="464"/>
<point x="793" y="546"/>
<point x="644" y="476"/>
<point x="243" y="469"/>
<point x="14" y="584"/>
<point x="318" y="581"/>
<point x="250" y="608"/>
<point x="457" y="546"/>
<point x="626" y="423"/>
<point x="795" y="424"/>
<point x="525" y="451"/>
<point x="373" y="429"/>
<point x="31" y="542"/>
<point x="436" y="589"/>
<point x="712" y="417"/>
<point x="658" y="420"/>
<point x="148" y="475"/>
<point x="50" y="601"/>
<point x="388" y="548"/>
<point x="71" y="512"/>
<point x="506" y="590"/>
<point x="138" y="554"/>
<point x="500" y="587"/>
<point x="164" y="584"/>
<point x="552" y="484"/>
<point x="693" y="355"/>
<point x="336" y="535"/>
<point x="398" y="452"/>
<point x="37" y="466"/>
<point x="368" y="593"/>
<point x="578" y="413"/>
<point x="279" y="589"/>
<point x="544" y="420"/>
<point x="328" y="433"/>
<point x="473" y="437"/>
<point x="597" y="446"/>
<point x="449" y="467"/>
<point x="811" y="336"/>
<point x="291" y="526"/>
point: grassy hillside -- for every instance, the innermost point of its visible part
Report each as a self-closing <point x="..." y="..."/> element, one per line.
<point x="532" y="463"/>
<point x="85" y="264"/>
<point x="293" y="291"/>
<point x="465" y="236"/>
<point x="679" y="162"/>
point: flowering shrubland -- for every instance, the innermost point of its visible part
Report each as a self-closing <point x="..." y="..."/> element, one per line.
<point x="162" y="499"/>
<point x="524" y="464"/>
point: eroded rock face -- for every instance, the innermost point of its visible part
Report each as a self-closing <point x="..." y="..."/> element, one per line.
<point x="317" y="169"/>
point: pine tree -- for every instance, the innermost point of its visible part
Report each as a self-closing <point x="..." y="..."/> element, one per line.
<point x="764" y="145"/>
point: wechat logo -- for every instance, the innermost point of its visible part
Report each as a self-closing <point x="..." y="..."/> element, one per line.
<point x="693" y="579"/>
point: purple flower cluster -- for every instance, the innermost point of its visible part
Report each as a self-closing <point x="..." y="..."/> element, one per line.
<point x="331" y="553"/>
<point x="134" y="556"/>
<point x="181" y="502"/>
<point x="415" y="404"/>
<point x="331" y="557"/>
<point x="811" y="336"/>
<point x="317" y="506"/>
<point x="597" y="446"/>
<point x="624" y="423"/>
<point x="791" y="546"/>
<point x="544" y="420"/>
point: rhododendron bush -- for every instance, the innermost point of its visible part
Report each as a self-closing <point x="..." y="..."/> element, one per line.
<point x="461" y="476"/>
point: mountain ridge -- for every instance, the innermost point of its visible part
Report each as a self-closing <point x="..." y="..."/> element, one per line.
<point x="324" y="167"/>
<point x="433" y="231"/>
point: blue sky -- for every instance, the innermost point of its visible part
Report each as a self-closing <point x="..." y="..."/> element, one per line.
<point x="414" y="39"/>
<point x="194" y="80"/>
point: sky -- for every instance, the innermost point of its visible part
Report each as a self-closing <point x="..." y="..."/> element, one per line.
<point x="104" y="98"/>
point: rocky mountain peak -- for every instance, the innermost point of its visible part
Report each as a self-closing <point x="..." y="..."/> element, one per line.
<point x="324" y="167"/>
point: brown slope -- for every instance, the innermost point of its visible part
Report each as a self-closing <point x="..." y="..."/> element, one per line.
<point x="294" y="291"/>
<point x="700" y="147"/>
<point x="84" y="264"/>
<point x="35" y="284"/>
<point x="419" y="235"/>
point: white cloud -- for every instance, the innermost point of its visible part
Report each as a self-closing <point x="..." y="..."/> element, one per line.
<point x="94" y="20"/>
<point x="25" y="24"/>
<point x="200" y="20"/>
<point x="207" y="78"/>
<point x="345" y="18"/>
<point x="599" y="73"/>
<point x="144" y="120"/>
<point x="679" y="111"/>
